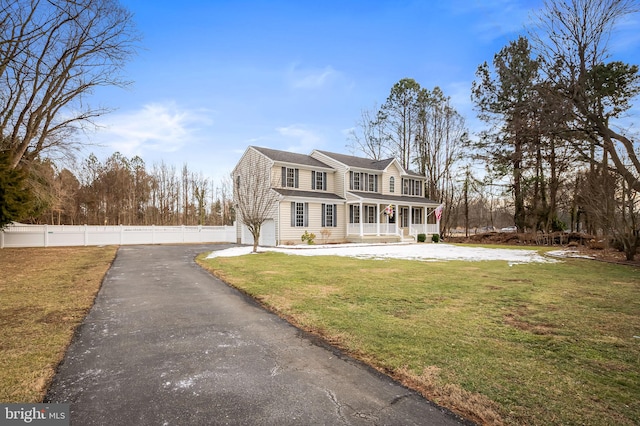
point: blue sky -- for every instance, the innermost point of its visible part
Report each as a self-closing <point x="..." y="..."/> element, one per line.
<point x="213" y="77"/>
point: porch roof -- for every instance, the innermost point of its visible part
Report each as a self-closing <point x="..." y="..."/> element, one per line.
<point x="375" y="197"/>
<point x="308" y="194"/>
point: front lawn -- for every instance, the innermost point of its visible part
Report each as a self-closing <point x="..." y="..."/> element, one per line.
<point x="45" y="293"/>
<point x="523" y="344"/>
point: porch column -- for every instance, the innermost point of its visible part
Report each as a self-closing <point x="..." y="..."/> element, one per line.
<point x="361" y="218"/>
<point x="410" y="221"/>
<point x="396" y="210"/>
<point x="378" y="219"/>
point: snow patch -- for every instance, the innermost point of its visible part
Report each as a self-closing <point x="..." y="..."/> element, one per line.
<point x="420" y="252"/>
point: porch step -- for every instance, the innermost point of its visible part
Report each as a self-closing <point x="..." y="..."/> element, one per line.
<point x="375" y="239"/>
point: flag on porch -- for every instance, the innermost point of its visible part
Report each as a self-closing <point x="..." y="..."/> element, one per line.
<point x="438" y="212"/>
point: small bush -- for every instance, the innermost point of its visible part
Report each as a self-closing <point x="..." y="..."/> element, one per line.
<point x="308" y="237"/>
<point x="435" y="238"/>
<point x="422" y="238"/>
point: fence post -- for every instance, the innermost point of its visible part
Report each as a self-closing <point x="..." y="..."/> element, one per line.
<point x="46" y="235"/>
<point x="1" y="238"/>
<point x="121" y="233"/>
<point x="86" y="235"/>
<point x="153" y="234"/>
<point x="182" y="226"/>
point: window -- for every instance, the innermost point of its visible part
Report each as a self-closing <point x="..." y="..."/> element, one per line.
<point x="412" y="187"/>
<point x="370" y="211"/>
<point x="355" y="181"/>
<point x="329" y="215"/>
<point x="416" y="216"/>
<point x="392" y="184"/>
<point x="354" y="214"/>
<point x="290" y="177"/>
<point x="372" y="183"/>
<point x="363" y="182"/>
<point x="319" y="180"/>
<point x="299" y="214"/>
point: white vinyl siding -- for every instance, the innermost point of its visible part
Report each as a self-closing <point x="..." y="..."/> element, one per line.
<point x="336" y="181"/>
<point x="291" y="234"/>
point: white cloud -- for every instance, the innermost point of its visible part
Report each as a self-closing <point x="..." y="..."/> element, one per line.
<point x="311" y="78"/>
<point x="497" y="18"/>
<point x="156" y="127"/>
<point x="304" y="140"/>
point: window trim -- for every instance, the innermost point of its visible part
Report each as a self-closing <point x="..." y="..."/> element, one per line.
<point x="295" y="177"/>
<point x="318" y="178"/>
<point x="354" y="213"/>
<point x="329" y="215"/>
<point x="296" y="214"/>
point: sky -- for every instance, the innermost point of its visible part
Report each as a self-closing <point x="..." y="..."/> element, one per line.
<point x="213" y="77"/>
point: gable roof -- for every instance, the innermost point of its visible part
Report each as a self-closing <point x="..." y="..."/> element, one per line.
<point x="291" y="157"/>
<point x="358" y="162"/>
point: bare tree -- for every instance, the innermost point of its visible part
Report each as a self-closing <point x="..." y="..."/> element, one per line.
<point x="572" y="41"/>
<point x="255" y="201"/>
<point x="52" y="55"/>
<point x="368" y="137"/>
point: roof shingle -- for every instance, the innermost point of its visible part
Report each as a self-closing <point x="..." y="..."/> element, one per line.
<point x="291" y="157"/>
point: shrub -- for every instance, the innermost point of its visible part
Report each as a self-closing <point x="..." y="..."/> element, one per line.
<point x="308" y="237"/>
<point x="422" y="238"/>
<point x="435" y="238"/>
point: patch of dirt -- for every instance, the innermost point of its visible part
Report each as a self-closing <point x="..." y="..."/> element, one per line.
<point x="540" y="329"/>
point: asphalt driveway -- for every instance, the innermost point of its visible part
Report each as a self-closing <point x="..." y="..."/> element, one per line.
<point x="168" y="344"/>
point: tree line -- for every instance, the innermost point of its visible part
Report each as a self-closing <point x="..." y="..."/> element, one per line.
<point x="124" y="191"/>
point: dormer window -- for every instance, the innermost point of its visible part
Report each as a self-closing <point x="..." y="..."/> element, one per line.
<point x="392" y="184"/>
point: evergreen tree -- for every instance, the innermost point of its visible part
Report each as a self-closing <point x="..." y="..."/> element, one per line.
<point x="15" y="197"/>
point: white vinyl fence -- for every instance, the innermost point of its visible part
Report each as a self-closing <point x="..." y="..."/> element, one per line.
<point x="17" y="235"/>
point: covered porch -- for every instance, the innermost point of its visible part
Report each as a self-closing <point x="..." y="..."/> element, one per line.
<point x="389" y="219"/>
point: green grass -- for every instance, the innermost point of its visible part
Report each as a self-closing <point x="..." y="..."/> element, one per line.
<point x="45" y="293"/>
<point x="527" y="344"/>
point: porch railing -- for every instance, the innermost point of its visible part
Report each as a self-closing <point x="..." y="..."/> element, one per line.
<point x="391" y="229"/>
<point x="425" y="228"/>
<point x="372" y="229"/>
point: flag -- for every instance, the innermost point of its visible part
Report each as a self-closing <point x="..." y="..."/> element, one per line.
<point x="438" y="212"/>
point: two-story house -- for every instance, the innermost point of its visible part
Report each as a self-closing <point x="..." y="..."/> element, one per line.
<point x="337" y="197"/>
